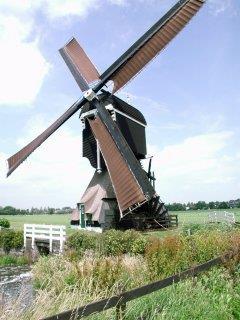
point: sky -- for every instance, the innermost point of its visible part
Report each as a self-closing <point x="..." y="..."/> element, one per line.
<point x="189" y="95"/>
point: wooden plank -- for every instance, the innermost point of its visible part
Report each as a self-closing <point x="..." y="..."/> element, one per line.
<point x="125" y="297"/>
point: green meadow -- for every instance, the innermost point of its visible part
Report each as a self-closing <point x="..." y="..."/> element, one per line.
<point x="184" y="217"/>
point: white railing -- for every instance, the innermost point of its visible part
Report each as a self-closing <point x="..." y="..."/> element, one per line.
<point x="45" y="232"/>
<point x="222" y="216"/>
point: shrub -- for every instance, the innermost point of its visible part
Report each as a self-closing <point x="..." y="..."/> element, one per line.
<point x="17" y="241"/>
<point x="139" y="245"/>
<point x="4" y="223"/>
<point x="115" y="242"/>
<point x="10" y="239"/>
<point x="81" y="241"/>
<point x="164" y="256"/>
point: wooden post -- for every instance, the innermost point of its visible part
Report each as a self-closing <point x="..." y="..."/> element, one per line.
<point x="50" y="240"/>
<point x="25" y="237"/>
<point x="33" y="230"/>
<point x="121" y="311"/>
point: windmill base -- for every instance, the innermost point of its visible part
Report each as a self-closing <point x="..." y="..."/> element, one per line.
<point x="99" y="211"/>
<point x="112" y="220"/>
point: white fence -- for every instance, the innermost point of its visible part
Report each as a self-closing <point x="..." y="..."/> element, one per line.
<point x="45" y="232"/>
<point x="219" y="216"/>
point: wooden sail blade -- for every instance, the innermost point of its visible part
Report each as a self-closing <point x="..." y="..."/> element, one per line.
<point x="151" y="43"/>
<point x="81" y="67"/>
<point x="15" y="160"/>
<point x="126" y="187"/>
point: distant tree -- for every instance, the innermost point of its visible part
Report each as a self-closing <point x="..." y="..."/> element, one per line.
<point x="200" y="205"/>
<point x="8" y="210"/>
<point x="223" y="205"/>
<point x="176" y="207"/>
<point x="211" y="205"/>
<point x="51" y="211"/>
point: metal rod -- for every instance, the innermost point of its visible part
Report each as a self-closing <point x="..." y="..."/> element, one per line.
<point x="99" y="169"/>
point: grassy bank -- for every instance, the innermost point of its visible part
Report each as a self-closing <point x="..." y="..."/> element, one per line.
<point x="12" y="260"/>
<point x="92" y="270"/>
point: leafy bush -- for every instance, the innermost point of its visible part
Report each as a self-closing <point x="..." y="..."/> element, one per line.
<point x="111" y="242"/>
<point x="10" y="239"/>
<point x="174" y="254"/>
<point x="17" y="241"/>
<point x="4" y="223"/>
<point x="81" y="241"/>
<point x="115" y="242"/>
<point x="164" y="256"/>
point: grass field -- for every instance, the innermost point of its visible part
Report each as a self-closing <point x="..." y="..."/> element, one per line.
<point x="185" y="217"/>
<point x="17" y="222"/>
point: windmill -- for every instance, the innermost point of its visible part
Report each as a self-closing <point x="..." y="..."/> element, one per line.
<point x="121" y="193"/>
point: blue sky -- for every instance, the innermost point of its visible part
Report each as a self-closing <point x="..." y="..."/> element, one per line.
<point x="189" y="95"/>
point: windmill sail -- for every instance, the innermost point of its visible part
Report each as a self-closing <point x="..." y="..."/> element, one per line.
<point x="15" y="160"/>
<point x="151" y="43"/>
<point x="127" y="188"/>
<point x="81" y="67"/>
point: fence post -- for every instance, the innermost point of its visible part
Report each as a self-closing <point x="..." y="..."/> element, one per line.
<point x="33" y="230"/>
<point x="61" y="238"/>
<point x="50" y="240"/>
<point x="25" y="236"/>
<point x="121" y="311"/>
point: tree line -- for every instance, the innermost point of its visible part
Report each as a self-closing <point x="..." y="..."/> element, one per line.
<point x="9" y="210"/>
<point x="202" y="205"/>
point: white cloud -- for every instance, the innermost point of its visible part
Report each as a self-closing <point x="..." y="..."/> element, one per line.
<point x="22" y="65"/>
<point x="217" y="7"/>
<point x="197" y="168"/>
<point x="62" y="8"/>
<point x="56" y="174"/>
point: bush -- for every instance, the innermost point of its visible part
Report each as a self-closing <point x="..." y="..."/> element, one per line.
<point x="10" y="239"/>
<point x="110" y="243"/>
<point x="17" y="240"/>
<point x="4" y="223"/>
<point x="115" y="242"/>
<point x="81" y="241"/>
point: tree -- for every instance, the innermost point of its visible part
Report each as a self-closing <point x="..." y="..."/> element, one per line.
<point x="211" y="205"/>
<point x="200" y="205"/>
<point x="8" y="210"/>
<point x="223" y="205"/>
<point x="176" y="207"/>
